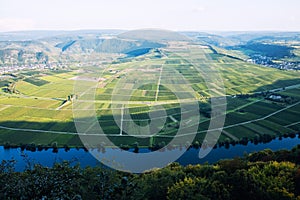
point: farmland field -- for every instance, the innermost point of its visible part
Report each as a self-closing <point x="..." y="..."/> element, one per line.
<point x="149" y="90"/>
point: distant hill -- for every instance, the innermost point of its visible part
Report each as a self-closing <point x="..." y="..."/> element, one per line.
<point x="43" y="34"/>
<point x="23" y="46"/>
<point x="153" y="35"/>
<point x="18" y="47"/>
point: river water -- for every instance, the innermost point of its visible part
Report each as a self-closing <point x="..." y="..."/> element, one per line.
<point x="48" y="158"/>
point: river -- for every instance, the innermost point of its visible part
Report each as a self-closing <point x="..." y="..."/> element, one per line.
<point x="48" y="158"/>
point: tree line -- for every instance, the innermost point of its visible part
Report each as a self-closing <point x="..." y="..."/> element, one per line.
<point x="261" y="175"/>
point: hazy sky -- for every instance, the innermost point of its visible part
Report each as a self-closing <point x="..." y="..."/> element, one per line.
<point x="134" y="14"/>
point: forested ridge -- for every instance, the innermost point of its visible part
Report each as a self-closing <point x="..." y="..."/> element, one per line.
<point x="261" y="175"/>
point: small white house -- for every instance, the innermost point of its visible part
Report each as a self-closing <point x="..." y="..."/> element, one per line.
<point x="275" y="97"/>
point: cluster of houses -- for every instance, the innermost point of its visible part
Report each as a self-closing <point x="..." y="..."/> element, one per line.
<point x="267" y="61"/>
<point x="15" y="68"/>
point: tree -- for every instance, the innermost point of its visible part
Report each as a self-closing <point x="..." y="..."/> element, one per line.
<point x="188" y="188"/>
<point x="20" y="56"/>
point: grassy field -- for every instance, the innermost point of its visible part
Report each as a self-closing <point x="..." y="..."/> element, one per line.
<point x="39" y="113"/>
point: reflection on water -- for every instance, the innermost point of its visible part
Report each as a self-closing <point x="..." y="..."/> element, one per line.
<point x="48" y="158"/>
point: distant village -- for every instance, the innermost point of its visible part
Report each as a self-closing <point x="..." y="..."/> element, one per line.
<point x="15" y="68"/>
<point x="8" y="69"/>
<point x="268" y="62"/>
<point x="12" y="62"/>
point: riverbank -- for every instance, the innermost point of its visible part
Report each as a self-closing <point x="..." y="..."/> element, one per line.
<point x="48" y="157"/>
<point x="55" y="147"/>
